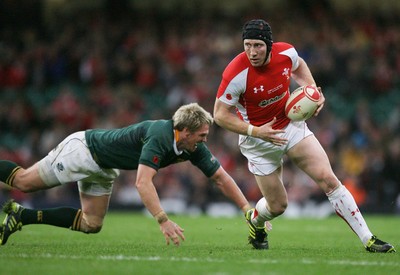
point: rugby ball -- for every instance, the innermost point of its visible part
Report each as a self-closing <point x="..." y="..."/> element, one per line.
<point x="302" y="103"/>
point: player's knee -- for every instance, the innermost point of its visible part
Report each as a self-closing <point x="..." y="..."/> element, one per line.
<point x="278" y="209"/>
<point x="94" y="229"/>
<point x="91" y="225"/>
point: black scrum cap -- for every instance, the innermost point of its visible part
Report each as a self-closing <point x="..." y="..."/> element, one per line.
<point x="258" y="29"/>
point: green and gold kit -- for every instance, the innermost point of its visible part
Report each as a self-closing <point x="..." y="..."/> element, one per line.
<point x="150" y="143"/>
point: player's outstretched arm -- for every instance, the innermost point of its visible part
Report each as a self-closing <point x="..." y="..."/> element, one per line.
<point x="230" y="189"/>
<point x="150" y="199"/>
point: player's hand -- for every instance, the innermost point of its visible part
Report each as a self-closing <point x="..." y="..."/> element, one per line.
<point x="172" y="231"/>
<point x="266" y="132"/>
<point x="321" y="102"/>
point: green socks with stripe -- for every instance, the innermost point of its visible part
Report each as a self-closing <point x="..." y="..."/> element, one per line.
<point x="66" y="217"/>
<point x="8" y="169"/>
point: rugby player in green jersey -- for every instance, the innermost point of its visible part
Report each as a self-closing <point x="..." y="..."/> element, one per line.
<point x="92" y="159"/>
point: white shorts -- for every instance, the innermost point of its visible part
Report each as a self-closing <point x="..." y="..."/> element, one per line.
<point x="263" y="156"/>
<point x="71" y="161"/>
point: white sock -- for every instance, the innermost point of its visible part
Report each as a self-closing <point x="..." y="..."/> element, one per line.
<point x="346" y="208"/>
<point x="261" y="214"/>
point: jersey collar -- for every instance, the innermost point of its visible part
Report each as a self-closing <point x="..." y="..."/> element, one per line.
<point x="176" y="138"/>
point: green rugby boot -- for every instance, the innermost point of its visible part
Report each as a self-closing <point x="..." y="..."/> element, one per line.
<point x="12" y="221"/>
<point x="376" y="245"/>
<point x="258" y="236"/>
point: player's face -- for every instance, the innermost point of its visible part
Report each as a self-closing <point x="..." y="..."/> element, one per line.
<point x="190" y="140"/>
<point x="256" y="51"/>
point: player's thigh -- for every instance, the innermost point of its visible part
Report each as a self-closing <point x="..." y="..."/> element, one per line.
<point x="272" y="188"/>
<point x="309" y="156"/>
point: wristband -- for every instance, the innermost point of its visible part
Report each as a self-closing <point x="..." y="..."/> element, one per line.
<point x="161" y="217"/>
<point x="250" y="130"/>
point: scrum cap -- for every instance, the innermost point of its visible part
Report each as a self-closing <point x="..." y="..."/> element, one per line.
<point x="258" y="29"/>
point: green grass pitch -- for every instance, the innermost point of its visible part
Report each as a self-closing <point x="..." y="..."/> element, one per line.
<point x="132" y="244"/>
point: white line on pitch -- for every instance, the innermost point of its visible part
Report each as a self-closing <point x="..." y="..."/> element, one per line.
<point x="200" y="260"/>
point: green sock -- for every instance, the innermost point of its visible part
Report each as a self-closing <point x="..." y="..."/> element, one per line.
<point x="66" y="217"/>
<point x="8" y="170"/>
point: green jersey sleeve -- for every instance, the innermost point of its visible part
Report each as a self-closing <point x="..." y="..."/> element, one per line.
<point x="205" y="160"/>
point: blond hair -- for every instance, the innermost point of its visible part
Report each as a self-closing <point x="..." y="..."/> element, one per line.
<point x="191" y="116"/>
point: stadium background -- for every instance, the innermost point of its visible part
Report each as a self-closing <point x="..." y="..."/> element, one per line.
<point x="70" y="65"/>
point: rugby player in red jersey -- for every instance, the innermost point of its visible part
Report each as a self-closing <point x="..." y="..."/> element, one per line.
<point x="251" y="101"/>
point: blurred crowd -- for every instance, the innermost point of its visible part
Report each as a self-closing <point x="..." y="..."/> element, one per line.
<point x="100" y="69"/>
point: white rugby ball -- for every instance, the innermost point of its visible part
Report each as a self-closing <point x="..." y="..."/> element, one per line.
<point x="302" y="103"/>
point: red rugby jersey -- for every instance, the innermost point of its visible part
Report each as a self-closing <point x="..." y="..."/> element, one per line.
<point x="260" y="93"/>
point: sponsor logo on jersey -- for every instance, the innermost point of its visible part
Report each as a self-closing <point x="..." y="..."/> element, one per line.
<point x="267" y="102"/>
<point x="273" y="90"/>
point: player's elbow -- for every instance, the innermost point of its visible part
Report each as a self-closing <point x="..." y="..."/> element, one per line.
<point x="222" y="180"/>
<point x="219" y="184"/>
<point x="217" y="120"/>
<point x="222" y="113"/>
<point x="217" y="113"/>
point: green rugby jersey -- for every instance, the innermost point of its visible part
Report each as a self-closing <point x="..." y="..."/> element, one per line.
<point x="150" y="143"/>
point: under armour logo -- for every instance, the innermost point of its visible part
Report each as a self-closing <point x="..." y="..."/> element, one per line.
<point x="261" y="89"/>
<point x="60" y="167"/>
